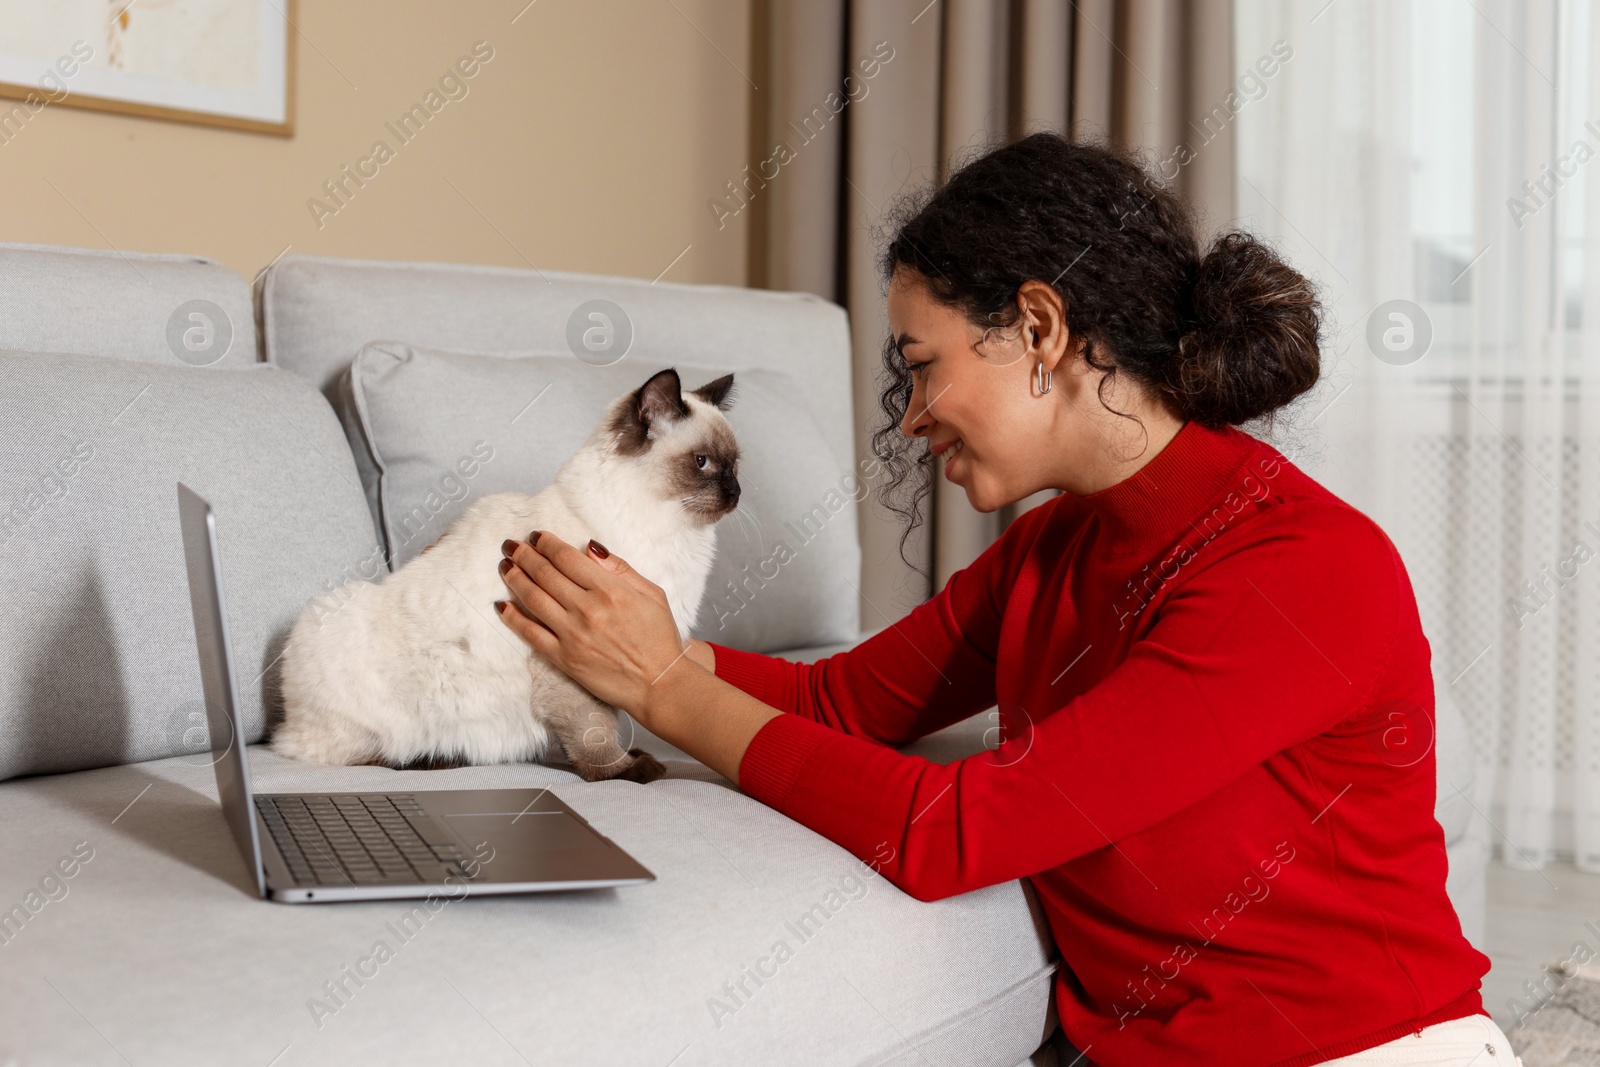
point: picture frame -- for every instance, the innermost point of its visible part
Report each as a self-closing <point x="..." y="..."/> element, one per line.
<point x="226" y="63"/>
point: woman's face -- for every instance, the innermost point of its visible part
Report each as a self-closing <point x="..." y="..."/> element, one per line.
<point x="975" y="399"/>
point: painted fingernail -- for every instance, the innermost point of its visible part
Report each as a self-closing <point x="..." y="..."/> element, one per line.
<point x="508" y="547"/>
<point x="598" y="549"/>
<point x="533" y="538"/>
<point x="500" y="605"/>
<point x="505" y="565"/>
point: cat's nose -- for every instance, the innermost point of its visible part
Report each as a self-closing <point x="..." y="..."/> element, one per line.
<point x="730" y="490"/>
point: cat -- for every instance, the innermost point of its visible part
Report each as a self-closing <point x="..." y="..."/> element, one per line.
<point x="416" y="670"/>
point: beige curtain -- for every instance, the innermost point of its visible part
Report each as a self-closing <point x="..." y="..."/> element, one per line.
<point x="875" y="97"/>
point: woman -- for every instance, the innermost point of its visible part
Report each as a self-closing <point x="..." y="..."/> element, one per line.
<point x="1199" y="654"/>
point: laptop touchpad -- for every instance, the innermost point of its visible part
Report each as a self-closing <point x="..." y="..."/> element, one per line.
<point x="531" y="831"/>
<point x="537" y="846"/>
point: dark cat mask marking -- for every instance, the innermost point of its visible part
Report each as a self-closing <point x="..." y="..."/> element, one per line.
<point x="701" y="472"/>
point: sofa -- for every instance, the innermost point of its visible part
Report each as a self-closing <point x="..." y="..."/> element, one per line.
<point x="313" y="408"/>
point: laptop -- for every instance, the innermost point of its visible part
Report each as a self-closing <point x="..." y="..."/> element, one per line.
<point x="315" y="847"/>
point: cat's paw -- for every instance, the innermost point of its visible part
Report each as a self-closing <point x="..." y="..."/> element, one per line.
<point x="644" y="767"/>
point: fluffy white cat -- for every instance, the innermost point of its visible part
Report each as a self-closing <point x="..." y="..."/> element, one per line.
<point x="417" y="670"/>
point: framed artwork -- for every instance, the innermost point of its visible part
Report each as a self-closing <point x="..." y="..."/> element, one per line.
<point x="217" y="62"/>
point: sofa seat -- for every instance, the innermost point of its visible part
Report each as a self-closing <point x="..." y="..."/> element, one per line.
<point x="155" y="950"/>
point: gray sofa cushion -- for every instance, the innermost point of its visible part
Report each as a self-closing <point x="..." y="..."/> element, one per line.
<point x="97" y="651"/>
<point x="437" y="430"/>
<point x="126" y="305"/>
<point x="160" y="947"/>
<point x="317" y="313"/>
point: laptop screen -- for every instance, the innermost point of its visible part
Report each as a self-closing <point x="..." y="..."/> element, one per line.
<point x="223" y="717"/>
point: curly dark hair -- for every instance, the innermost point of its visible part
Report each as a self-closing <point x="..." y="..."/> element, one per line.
<point x="1222" y="338"/>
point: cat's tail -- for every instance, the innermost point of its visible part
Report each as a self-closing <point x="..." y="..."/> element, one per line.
<point x="316" y="726"/>
<point x="337" y="742"/>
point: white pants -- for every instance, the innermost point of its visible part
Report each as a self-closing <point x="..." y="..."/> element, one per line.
<point x="1474" y="1040"/>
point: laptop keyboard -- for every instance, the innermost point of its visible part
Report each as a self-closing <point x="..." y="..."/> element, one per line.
<point x="358" y="839"/>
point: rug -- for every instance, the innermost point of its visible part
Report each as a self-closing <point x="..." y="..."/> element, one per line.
<point x="1563" y="1027"/>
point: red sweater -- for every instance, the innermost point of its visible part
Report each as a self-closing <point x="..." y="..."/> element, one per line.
<point x="1216" y="770"/>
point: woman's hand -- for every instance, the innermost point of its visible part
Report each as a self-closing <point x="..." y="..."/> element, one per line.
<point x="595" y="617"/>
<point x="611" y="630"/>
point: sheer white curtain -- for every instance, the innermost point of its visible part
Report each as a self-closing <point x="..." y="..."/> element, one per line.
<point x="1435" y="166"/>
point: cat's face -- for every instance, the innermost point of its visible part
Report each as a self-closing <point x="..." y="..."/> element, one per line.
<point x="684" y="442"/>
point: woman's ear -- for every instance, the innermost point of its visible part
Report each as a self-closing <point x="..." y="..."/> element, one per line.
<point x="1044" y="316"/>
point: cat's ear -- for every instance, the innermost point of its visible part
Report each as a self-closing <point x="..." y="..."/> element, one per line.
<point x="659" y="401"/>
<point x="717" y="392"/>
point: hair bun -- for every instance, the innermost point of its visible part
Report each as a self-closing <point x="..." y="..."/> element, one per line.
<point x="1252" y="341"/>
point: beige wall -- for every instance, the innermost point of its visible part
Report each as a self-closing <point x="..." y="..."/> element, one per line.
<point x="591" y="140"/>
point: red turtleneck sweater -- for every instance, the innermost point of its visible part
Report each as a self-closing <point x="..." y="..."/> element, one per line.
<point x="1213" y="690"/>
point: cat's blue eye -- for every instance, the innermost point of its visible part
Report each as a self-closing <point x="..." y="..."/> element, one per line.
<point x="701" y="461"/>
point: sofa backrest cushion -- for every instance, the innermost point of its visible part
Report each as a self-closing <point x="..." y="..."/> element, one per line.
<point x="97" y="648"/>
<point x="317" y="313"/>
<point x="437" y="430"/>
<point x="182" y="310"/>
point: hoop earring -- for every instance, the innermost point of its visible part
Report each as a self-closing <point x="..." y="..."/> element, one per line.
<point x="1041" y="378"/>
